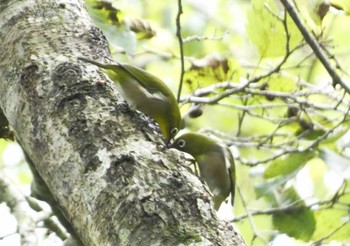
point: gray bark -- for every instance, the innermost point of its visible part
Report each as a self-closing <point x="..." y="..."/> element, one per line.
<point x="105" y="165"/>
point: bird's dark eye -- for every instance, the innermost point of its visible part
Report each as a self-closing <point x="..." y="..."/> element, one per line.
<point x="181" y="143"/>
<point x="174" y="131"/>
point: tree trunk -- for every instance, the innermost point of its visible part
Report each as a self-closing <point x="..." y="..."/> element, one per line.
<point x="105" y="165"/>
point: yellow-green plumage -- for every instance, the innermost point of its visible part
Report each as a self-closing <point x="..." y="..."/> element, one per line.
<point x="215" y="161"/>
<point x="146" y="93"/>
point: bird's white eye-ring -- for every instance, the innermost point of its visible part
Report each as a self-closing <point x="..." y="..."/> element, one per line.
<point x="181" y="143"/>
<point x="174" y="131"/>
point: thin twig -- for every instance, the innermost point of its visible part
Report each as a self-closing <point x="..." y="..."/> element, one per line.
<point x="178" y="34"/>
<point x="319" y="241"/>
<point x="296" y="206"/>
<point x="314" y="45"/>
<point x="203" y="38"/>
<point x="250" y="218"/>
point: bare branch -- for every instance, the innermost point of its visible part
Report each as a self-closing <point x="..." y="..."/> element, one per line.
<point x="179" y="36"/>
<point x="295" y="206"/>
<point x="314" y="45"/>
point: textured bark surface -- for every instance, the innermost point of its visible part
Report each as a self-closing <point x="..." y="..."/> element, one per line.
<point x="105" y="165"/>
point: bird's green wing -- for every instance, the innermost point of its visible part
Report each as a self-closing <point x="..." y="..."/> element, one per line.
<point x="150" y="82"/>
<point x="230" y="164"/>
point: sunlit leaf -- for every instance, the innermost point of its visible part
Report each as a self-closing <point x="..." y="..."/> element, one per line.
<point x="211" y="70"/>
<point x="111" y="21"/>
<point x="337" y="134"/>
<point x="342" y="5"/>
<point x="345" y="198"/>
<point x="329" y="222"/>
<point x="3" y="144"/>
<point x="288" y="163"/>
<point x="24" y="177"/>
<point x="104" y="12"/>
<point x="281" y="84"/>
<point x="266" y="31"/>
<point x="317" y="10"/>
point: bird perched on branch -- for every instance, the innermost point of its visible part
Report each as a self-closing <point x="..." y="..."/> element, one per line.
<point x="215" y="161"/>
<point x="145" y="92"/>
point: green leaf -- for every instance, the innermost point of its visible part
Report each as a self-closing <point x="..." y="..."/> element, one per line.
<point x="287" y="164"/>
<point x="312" y="134"/>
<point x="280" y="83"/>
<point x="313" y="11"/>
<point x="299" y="223"/>
<point x="268" y="187"/>
<point x="329" y="221"/>
<point x="3" y="144"/>
<point x="266" y="31"/>
<point x="111" y="21"/>
<point x="288" y="196"/>
<point x="211" y="70"/>
<point x="343" y="5"/>
<point x="337" y="133"/>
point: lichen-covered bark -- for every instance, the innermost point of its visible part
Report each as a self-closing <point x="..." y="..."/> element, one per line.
<point x="106" y="166"/>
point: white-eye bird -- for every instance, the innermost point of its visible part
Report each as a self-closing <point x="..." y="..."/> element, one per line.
<point x="145" y="92"/>
<point x="215" y="161"/>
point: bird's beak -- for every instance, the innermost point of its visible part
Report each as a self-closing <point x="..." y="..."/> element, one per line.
<point x="170" y="143"/>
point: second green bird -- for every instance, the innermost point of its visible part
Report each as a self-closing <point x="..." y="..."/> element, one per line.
<point x="215" y="161"/>
<point x="146" y="93"/>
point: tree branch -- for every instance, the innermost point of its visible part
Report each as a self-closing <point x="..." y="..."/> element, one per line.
<point x="16" y="201"/>
<point x="314" y="45"/>
<point x="179" y="37"/>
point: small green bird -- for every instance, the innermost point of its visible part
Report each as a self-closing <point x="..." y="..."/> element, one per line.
<point x="146" y="93"/>
<point x="215" y="161"/>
